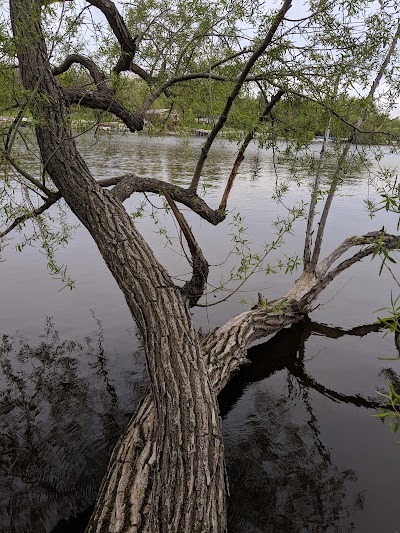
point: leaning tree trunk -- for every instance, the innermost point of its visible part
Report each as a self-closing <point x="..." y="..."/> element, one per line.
<point x="125" y="498"/>
<point x="188" y="490"/>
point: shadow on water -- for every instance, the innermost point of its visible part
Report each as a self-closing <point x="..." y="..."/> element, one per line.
<point x="282" y="476"/>
<point x="61" y="414"/>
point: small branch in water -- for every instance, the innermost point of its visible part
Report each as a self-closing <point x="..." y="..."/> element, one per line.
<point x="238" y="85"/>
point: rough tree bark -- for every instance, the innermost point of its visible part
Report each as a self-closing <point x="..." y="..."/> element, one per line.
<point x="189" y="489"/>
<point x="125" y="497"/>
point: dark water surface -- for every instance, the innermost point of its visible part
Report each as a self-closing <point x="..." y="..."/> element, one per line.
<point x="304" y="453"/>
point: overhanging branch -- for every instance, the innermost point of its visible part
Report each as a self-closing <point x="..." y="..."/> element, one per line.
<point x="125" y="186"/>
<point x="105" y="101"/>
<point x="121" y="32"/>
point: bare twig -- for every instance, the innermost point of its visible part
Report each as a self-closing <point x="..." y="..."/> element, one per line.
<point x="343" y="157"/>
<point x="240" y="156"/>
<point x="314" y="200"/>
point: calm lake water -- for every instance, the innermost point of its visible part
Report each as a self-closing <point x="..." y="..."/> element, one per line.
<point x="304" y="453"/>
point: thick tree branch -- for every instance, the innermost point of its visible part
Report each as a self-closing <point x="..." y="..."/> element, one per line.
<point x="194" y="288"/>
<point x="125" y="186"/>
<point x="105" y="101"/>
<point x="121" y="32"/>
<point x="240" y="156"/>
<point x="240" y="81"/>
<point x="97" y="75"/>
<point x="137" y="69"/>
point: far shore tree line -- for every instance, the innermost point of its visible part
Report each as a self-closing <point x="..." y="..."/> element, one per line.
<point x="189" y="107"/>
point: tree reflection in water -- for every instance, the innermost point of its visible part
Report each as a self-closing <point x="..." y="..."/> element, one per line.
<point x="61" y="414"/>
<point x="281" y="475"/>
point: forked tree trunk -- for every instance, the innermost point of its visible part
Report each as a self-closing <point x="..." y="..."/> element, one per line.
<point x="126" y="495"/>
<point x="125" y="498"/>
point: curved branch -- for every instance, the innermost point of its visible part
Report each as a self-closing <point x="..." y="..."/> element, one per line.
<point x="390" y="242"/>
<point x="121" y="32"/>
<point x="106" y="101"/>
<point x="125" y="186"/>
<point x="97" y="75"/>
<point x="194" y="288"/>
<point x="357" y="240"/>
<point x="232" y="56"/>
